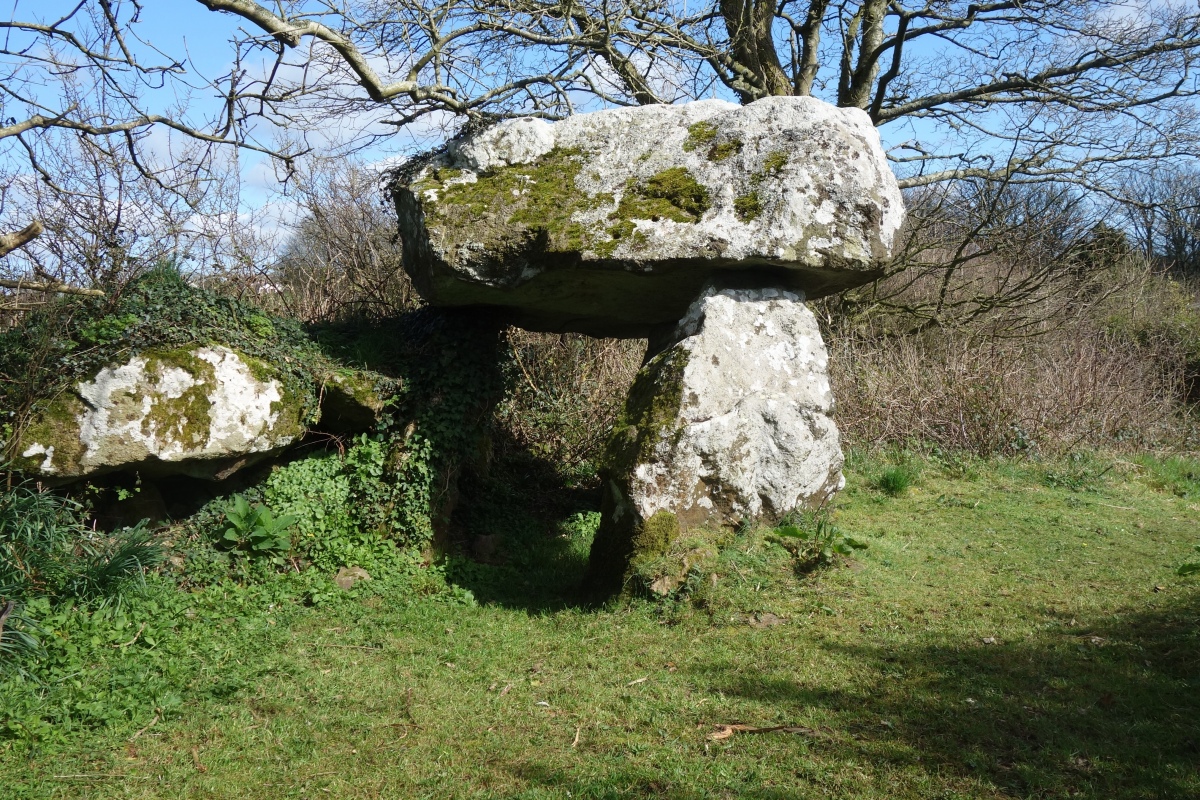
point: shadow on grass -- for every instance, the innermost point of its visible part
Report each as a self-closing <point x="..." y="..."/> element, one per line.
<point x="1110" y="710"/>
<point x="523" y="532"/>
<point x="633" y="782"/>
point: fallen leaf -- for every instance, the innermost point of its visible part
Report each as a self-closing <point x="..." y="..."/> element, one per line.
<point x="507" y="688"/>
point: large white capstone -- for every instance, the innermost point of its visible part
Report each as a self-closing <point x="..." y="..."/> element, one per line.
<point x="202" y="411"/>
<point x="611" y="223"/>
<point x="732" y="423"/>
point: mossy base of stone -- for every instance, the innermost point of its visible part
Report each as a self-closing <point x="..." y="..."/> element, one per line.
<point x="623" y="542"/>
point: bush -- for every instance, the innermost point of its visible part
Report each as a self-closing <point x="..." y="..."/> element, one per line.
<point x="565" y="393"/>
<point x="1050" y="394"/>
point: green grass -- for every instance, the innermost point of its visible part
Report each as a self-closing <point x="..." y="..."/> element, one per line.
<point x="1011" y="631"/>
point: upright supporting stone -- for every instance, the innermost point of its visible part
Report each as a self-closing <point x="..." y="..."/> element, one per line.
<point x="732" y="423"/>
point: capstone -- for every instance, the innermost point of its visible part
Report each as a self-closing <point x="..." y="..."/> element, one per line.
<point x="611" y="223"/>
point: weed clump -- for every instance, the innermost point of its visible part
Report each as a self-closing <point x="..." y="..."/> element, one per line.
<point x="896" y="480"/>
<point x="48" y="553"/>
<point x="814" y="541"/>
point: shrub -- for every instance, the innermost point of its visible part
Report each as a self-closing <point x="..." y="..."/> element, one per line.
<point x="969" y="391"/>
<point x="565" y="392"/>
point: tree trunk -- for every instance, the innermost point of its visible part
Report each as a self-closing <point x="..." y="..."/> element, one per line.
<point x="749" y="24"/>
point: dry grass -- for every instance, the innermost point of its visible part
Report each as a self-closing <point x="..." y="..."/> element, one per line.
<point x="963" y="391"/>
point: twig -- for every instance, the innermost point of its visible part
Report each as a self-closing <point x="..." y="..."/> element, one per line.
<point x="408" y="707"/>
<point x="148" y="727"/>
<point x="578" y="728"/>
<point x="134" y="639"/>
<point x="725" y="731"/>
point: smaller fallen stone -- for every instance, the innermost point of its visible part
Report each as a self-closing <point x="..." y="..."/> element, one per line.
<point x="348" y="576"/>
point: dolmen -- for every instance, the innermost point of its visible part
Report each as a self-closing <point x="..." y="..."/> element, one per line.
<point x="701" y="227"/>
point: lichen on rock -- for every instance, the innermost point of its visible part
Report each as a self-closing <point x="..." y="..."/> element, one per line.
<point x="198" y="411"/>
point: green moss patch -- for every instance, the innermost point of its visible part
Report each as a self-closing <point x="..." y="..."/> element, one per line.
<point x="705" y="135"/>
<point x="748" y="206"/>
<point x="724" y="150"/>
<point x="700" y="135"/>
<point x="540" y="197"/>
<point x="775" y="161"/>
<point x="55" y="423"/>
<point x="650" y="416"/>
<point x="187" y="418"/>
<point x="672" y="194"/>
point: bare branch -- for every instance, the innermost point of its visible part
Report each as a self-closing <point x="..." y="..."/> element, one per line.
<point x="11" y="241"/>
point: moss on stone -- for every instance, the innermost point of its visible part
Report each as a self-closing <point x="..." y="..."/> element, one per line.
<point x="705" y="134"/>
<point x="775" y="161"/>
<point x="723" y="150"/>
<point x="656" y="535"/>
<point x="699" y="135"/>
<point x="55" y="424"/>
<point x="650" y="415"/>
<point x="541" y="196"/>
<point x="747" y="206"/>
<point x="185" y="419"/>
<point x="672" y="194"/>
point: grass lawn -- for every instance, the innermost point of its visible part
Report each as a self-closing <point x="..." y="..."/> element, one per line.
<point x="1011" y="631"/>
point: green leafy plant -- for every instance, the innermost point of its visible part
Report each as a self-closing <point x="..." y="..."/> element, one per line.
<point x="1191" y="567"/>
<point x="814" y="540"/>
<point x="254" y="530"/>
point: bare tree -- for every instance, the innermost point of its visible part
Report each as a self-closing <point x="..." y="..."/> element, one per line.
<point x="343" y="255"/>
<point x="1005" y="257"/>
<point x="1001" y="93"/>
<point x="1000" y="89"/>
<point x="1162" y="210"/>
<point x="1010" y="89"/>
<point x="88" y="70"/>
<point x="108" y="218"/>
